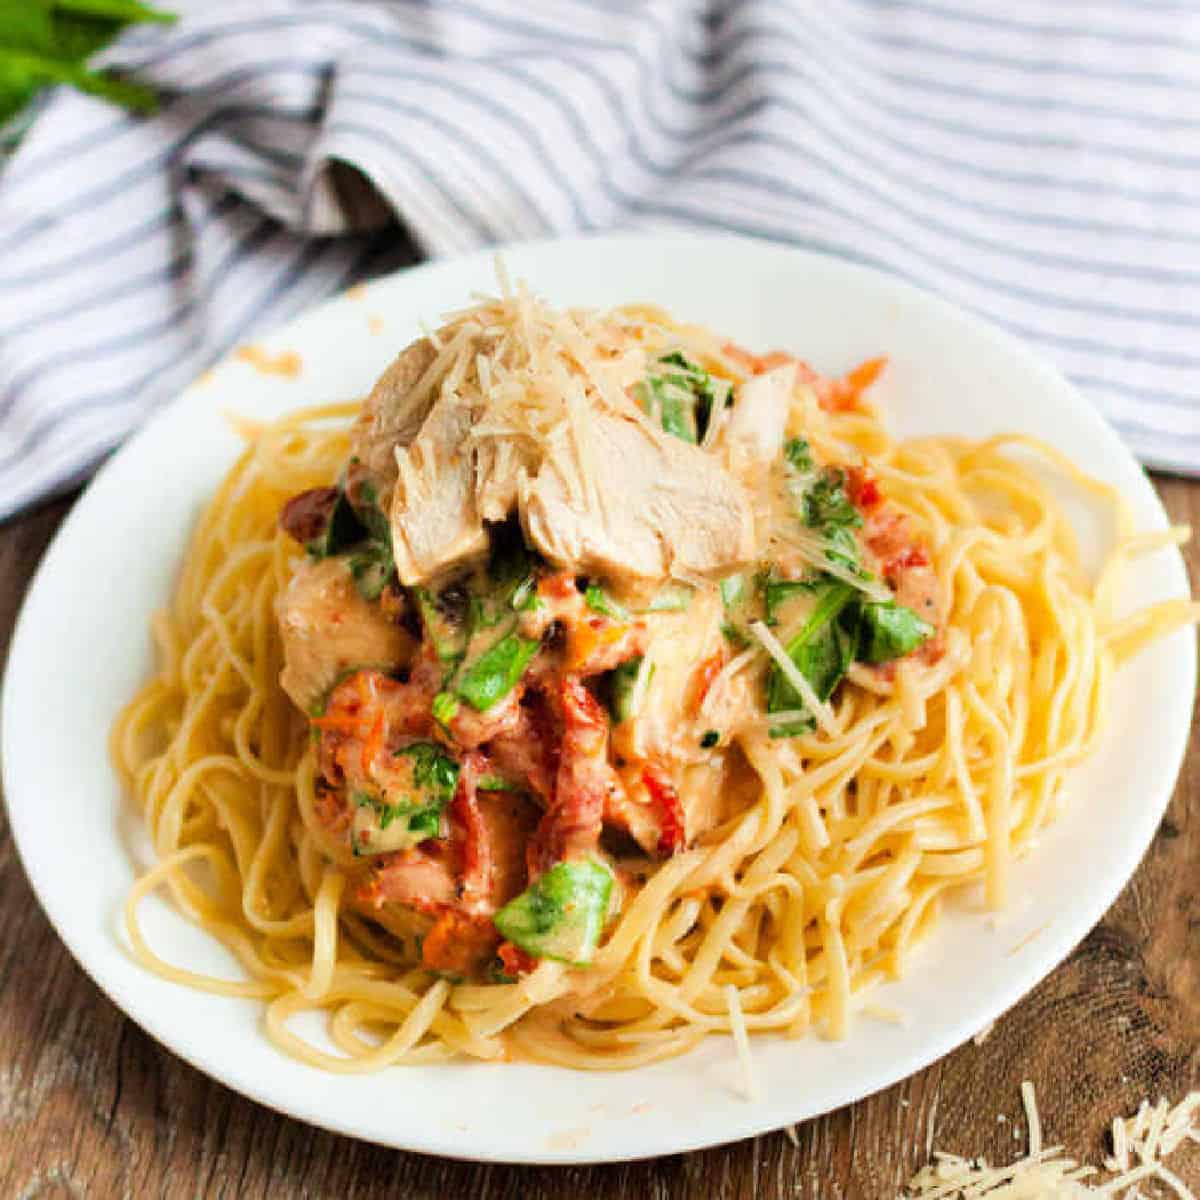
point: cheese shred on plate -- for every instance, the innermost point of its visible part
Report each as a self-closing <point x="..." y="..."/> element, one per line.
<point x="1140" y="1143"/>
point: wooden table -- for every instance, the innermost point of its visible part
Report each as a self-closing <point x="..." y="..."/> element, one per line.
<point x="91" y="1106"/>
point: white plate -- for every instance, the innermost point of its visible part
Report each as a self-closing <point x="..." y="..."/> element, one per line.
<point x="81" y="648"/>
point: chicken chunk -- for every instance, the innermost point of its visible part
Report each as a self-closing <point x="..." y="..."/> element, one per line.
<point x="759" y="415"/>
<point x="393" y="414"/>
<point x="435" y="521"/>
<point x="668" y="725"/>
<point x="649" y="507"/>
<point x="328" y="629"/>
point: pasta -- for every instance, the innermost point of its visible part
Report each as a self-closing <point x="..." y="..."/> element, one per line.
<point x="846" y="814"/>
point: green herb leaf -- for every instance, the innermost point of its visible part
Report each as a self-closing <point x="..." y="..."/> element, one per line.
<point x="710" y="739"/>
<point x="434" y="771"/>
<point x="371" y="571"/>
<point x="512" y="571"/>
<point x="843" y="549"/>
<point x="777" y="592"/>
<point x="735" y="592"/>
<point x="26" y="24"/>
<point x="562" y="915"/>
<point x="826" y="506"/>
<point x="342" y="531"/>
<point x="445" y="618"/>
<point x="445" y="708"/>
<point x="599" y="601"/>
<point x="116" y="10"/>
<point x="361" y="530"/>
<point x="43" y="43"/>
<point x="798" y="455"/>
<point x="496" y="672"/>
<point x="683" y="395"/>
<point x="496" y="783"/>
<point x="415" y="816"/>
<point x="891" y="631"/>
<point x="822" y="650"/>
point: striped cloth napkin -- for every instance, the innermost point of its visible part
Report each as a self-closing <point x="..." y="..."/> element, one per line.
<point x="1038" y="163"/>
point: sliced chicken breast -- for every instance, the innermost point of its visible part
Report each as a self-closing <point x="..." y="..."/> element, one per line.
<point x="328" y="629"/>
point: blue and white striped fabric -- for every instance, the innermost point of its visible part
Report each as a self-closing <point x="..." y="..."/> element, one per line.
<point x="1038" y="163"/>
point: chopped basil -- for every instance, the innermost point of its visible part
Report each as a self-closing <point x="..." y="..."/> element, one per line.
<point x="496" y="783"/>
<point x="798" y="455"/>
<point x="826" y="506"/>
<point x="842" y="548"/>
<point x="525" y="597"/>
<point x="434" y="771"/>
<point x="403" y="817"/>
<point x="838" y="625"/>
<point x="840" y="630"/>
<point x="682" y="394"/>
<point x="361" y="530"/>
<point x="889" y="631"/>
<point x="822" y="649"/>
<point x="487" y="598"/>
<point x="445" y="618"/>
<point x="777" y="593"/>
<point x="710" y="739"/>
<point x="373" y="517"/>
<point x="445" y="708"/>
<point x="342" y="531"/>
<point x="599" y="601"/>
<point x="561" y="915"/>
<point x="496" y="672"/>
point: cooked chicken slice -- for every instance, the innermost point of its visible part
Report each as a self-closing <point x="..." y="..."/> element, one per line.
<point x="499" y="463"/>
<point x="632" y="505"/>
<point x="668" y="724"/>
<point x="423" y="877"/>
<point x="392" y="414"/>
<point x="759" y="414"/>
<point x="328" y="629"/>
<point x="435" y="522"/>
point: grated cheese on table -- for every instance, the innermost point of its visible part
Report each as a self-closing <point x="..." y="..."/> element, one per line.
<point x="1140" y="1143"/>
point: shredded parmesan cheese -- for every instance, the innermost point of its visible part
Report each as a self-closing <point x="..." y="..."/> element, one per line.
<point x="816" y="551"/>
<point x="1032" y="1118"/>
<point x="637" y="698"/>
<point x="737" y="1026"/>
<point x="1046" y="1174"/>
<point x="718" y="688"/>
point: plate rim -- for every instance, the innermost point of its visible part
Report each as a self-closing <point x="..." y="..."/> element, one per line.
<point x="1055" y="947"/>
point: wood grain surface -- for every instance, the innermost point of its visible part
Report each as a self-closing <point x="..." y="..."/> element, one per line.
<point x="91" y="1106"/>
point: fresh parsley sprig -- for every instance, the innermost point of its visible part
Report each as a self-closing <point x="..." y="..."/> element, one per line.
<point x="44" y="42"/>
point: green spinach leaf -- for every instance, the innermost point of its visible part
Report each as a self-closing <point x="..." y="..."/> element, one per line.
<point x="562" y="915"/>
<point x="496" y="672"/>
<point x="890" y="631"/>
